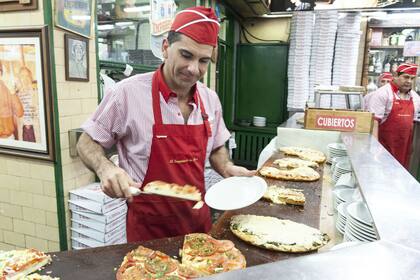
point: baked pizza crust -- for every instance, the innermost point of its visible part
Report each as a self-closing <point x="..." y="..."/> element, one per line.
<point x="297" y="174"/>
<point x="28" y="261"/>
<point x="305" y="153"/>
<point x="288" y="162"/>
<point x="283" y="195"/>
<point x="174" y="190"/>
<point x="277" y="234"/>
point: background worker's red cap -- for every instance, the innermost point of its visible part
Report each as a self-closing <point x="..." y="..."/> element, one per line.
<point x="385" y="76"/>
<point x="198" y="23"/>
<point x="408" y="68"/>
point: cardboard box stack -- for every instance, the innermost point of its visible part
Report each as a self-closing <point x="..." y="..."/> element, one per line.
<point x="97" y="219"/>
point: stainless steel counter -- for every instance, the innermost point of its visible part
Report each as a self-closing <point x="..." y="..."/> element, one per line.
<point x="393" y="197"/>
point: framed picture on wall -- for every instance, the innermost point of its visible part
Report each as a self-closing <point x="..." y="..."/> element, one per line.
<point x="76" y="58"/>
<point x="18" y="5"/>
<point x="75" y="16"/>
<point x="26" y="119"/>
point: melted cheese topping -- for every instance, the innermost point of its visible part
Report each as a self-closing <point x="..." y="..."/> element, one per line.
<point x="294" y="162"/>
<point x="276" y="231"/>
<point x="282" y="195"/>
<point x="305" y="153"/>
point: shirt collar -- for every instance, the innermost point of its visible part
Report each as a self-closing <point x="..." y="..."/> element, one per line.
<point x="394" y="87"/>
<point x="167" y="92"/>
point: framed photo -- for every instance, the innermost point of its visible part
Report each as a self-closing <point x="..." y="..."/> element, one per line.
<point x="18" y="5"/>
<point x="76" y="58"/>
<point x="75" y="16"/>
<point x="26" y="120"/>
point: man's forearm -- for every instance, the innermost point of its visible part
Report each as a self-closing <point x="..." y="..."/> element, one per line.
<point x="92" y="154"/>
<point x="219" y="160"/>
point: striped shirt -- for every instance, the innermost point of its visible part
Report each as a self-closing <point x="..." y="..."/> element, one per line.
<point x="380" y="101"/>
<point x="125" y="118"/>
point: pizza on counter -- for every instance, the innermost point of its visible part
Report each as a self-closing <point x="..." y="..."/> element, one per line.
<point x="288" y="162"/>
<point x="306" y="174"/>
<point x="209" y="255"/>
<point x="17" y="264"/>
<point x="283" y="195"/>
<point x="277" y="234"/>
<point x="305" y="153"/>
<point x="201" y="255"/>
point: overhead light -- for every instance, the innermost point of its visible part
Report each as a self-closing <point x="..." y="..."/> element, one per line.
<point x="105" y="27"/>
<point x="80" y="17"/>
<point x="137" y="9"/>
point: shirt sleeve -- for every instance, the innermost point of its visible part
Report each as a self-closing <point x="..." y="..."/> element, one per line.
<point x="377" y="104"/>
<point x="221" y="133"/>
<point x="105" y="125"/>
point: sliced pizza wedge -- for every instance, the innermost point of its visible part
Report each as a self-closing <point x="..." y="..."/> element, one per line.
<point x="288" y="162"/>
<point x="283" y="195"/>
<point x="295" y="174"/>
<point x="277" y="234"/>
<point x="16" y="264"/>
<point x="305" y="153"/>
<point x="188" y="192"/>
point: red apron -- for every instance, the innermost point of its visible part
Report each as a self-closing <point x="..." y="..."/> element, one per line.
<point x="177" y="155"/>
<point x="396" y="133"/>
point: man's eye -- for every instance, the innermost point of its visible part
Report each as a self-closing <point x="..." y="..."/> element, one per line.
<point x="186" y="55"/>
<point x="204" y="60"/>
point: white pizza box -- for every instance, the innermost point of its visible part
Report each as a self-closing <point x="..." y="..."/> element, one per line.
<point x="116" y="234"/>
<point x="78" y="243"/>
<point x="90" y="206"/>
<point x="106" y="218"/>
<point x="92" y="192"/>
<point x="105" y="228"/>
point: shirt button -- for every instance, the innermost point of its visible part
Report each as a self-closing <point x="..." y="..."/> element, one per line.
<point x="179" y="114"/>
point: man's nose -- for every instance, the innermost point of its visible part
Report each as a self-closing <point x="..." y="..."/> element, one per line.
<point x="193" y="67"/>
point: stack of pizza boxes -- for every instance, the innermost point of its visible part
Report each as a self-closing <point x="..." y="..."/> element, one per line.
<point x="97" y="219"/>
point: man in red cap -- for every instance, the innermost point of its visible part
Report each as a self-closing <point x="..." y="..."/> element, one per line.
<point x="384" y="78"/>
<point x="165" y="125"/>
<point x="395" y="105"/>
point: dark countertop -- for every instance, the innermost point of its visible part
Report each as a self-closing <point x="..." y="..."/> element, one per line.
<point x="102" y="263"/>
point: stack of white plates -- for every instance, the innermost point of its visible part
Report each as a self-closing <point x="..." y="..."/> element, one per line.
<point x="335" y="160"/>
<point x="323" y="40"/>
<point x="346" y="180"/>
<point x="299" y="59"/>
<point x="341" y="221"/>
<point x="342" y="167"/>
<point x="359" y="225"/>
<point x="336" y="150"/>
<point x="342" y="196"/>
<point x="259" y="121"/>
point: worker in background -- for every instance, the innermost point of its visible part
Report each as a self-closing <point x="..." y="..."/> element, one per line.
<point x="394" y="106"/>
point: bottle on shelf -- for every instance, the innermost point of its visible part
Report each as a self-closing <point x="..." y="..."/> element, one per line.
<point x="378" y="65"/>
<point x="387" y="64"/>
<point x="371" y="67"/>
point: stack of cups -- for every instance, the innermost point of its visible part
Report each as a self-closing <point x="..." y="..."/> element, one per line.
<point x="259" y="121"/>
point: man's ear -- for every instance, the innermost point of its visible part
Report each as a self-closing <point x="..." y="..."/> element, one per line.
<point x="165" y="46"/>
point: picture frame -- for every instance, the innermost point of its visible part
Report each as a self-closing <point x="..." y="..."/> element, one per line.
<point x="76" y="56"/>
<point x="26" y="127"/>
<point x="17" y="5"/>
<point x="75" y="16"/>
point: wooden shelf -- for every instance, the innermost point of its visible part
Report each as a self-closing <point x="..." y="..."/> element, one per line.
<point x="386" y="48"/>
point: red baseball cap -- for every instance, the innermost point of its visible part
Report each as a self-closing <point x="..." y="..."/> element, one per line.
<point x="408" y="68"/>
<point x="198" y="23"/>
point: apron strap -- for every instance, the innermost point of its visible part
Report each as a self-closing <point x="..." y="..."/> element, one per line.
<point x="204" y="116"/>
<point x="156" y="100"/>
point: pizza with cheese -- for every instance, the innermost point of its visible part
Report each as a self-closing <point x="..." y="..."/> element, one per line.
<point x="288" y="162"/>
<point x="305" y="153"/>
<point x="295" y="174"/>
<point x="283" y="195"/>
<point x="16" y="264"/>
<point x="209" y="255"/>
<point x="173" y="190"/>
<point x="277" y="234"/>
<point x="201" y="255"/>
<point x="144" y="263"/>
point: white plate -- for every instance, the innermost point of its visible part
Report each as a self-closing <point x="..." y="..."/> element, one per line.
<point x="359" y="212"/>
<point x="235" y="192"/>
